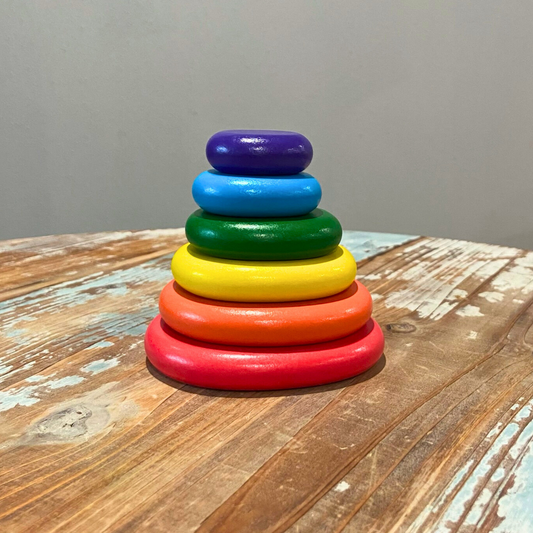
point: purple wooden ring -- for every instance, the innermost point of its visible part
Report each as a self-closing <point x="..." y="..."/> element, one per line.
<point x="259" y="152"/>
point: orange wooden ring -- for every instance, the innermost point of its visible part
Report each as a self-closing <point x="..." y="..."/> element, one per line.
<point x="266" y="324"/>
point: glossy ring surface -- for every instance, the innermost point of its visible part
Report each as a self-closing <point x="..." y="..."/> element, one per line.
<point x="313" y="235"/>
<point x="263" y="281"/>
<point x="265" y="324"/>
<point x="251" y="196"/>
<point x="236" y="368"/>
<point x="259" y="152"/>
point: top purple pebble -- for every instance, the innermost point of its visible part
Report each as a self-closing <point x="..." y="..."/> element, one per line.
<point x="259" y="152"/>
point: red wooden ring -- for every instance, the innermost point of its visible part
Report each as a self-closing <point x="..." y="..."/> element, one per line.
<point x="217" y="366"/>
<point x="265" y="324"/>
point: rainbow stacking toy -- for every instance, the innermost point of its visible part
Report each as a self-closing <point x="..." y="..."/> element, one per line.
<point x="263" y="295"/>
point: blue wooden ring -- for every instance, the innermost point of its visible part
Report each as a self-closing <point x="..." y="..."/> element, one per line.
<point x="252" y="196"/>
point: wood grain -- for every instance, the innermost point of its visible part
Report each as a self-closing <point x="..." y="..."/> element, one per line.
<point x="437" y="437"/>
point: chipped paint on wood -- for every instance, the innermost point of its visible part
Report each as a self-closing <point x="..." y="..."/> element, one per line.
<point x="67" y="381"/>
<point x="364" y="245"/>
<point x="439" y="268"/>
<point x="23" y="396"/>
<point x="102" y="344"/>
<point x="70" y="257"/>
<point x="469" y="311"/>
<point x="514" y="506"/>
<point x="342" y="486"/>
<point x="467" y="499"/>
<point x="492" y="296"/>
<point x="95" y="367"/>
<point x="35" y="379"/>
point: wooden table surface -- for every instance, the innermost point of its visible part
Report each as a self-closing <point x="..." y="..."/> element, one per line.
<point x="437" y="437"/>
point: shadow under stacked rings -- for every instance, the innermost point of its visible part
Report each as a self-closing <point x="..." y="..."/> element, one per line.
<point x="264" y="297"/>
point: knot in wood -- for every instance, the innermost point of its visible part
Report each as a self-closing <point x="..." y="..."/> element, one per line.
<point x="64" y="424"/>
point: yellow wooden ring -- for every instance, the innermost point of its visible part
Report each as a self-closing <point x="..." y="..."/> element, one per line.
<point x="263" y="281"/>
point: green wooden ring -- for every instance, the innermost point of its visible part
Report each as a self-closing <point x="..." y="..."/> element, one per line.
<point x="313" y="235"/>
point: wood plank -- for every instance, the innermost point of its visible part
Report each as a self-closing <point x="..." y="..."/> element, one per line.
<point x="437" y="437"/>
<point x="31" y="264"/>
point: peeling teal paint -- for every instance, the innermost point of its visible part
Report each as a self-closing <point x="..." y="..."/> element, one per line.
<point x="463" y="499"/>
<point x="63" y="382"/>
<point x="476" y="512"/>
<point x="454" y="483"/>
<point x="515" y="508"/>
<point x="95" y="367"/>
<point x="59" y="298"/>
<point x="29" y="395"/>
<point x="82" y="290"/>
<point x="363" y="244"/>
<point x="23" y="396"/>
<point x="102" y="344"/>
<point x="120" y="325"/>
<point x="35" y="379"/>
<point x="4" y="369"/>
<point x="14" y="333"/>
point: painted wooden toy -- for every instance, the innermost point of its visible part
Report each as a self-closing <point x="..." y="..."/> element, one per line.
<point x="259" y="152"/>
<point x="265" y="324"/>
<point x="313" y="235"/>
<point x="263" y="295"/>
<point x="263" y="281"/>
<point x="261" y="368"/>
<point x="256" y="196"/>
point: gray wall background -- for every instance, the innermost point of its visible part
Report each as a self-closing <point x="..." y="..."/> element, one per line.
<point x="420" y="113"/>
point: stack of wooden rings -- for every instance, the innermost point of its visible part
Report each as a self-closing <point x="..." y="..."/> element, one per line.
<point x="263" y="296"/>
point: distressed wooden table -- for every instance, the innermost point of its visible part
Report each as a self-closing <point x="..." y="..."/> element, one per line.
<point x="437" y="437"/>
